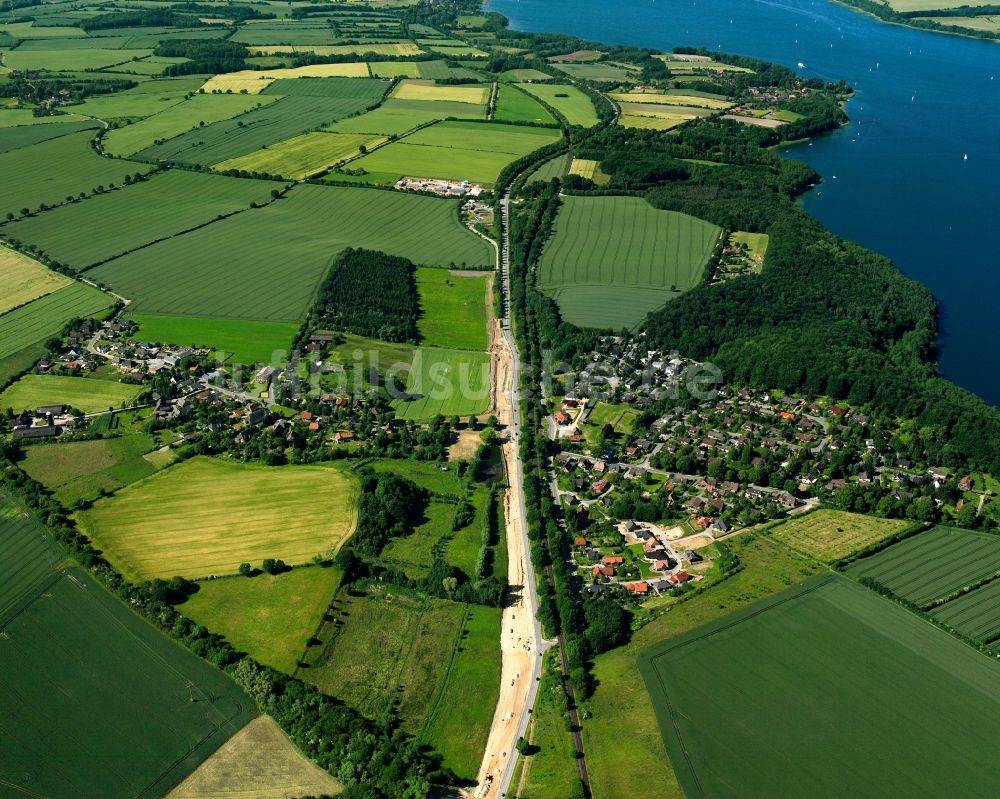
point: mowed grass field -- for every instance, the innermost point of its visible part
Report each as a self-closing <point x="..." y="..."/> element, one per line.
<point x="775" y="699"/>
<point x="259" y="762"/>
<point x="831" y="534"/>
<point x="445" y="381"/>
<point x="304" y="155"/>
<point x="436" y="662"/>
<point x="178" y="119"/>
<point x="302" y="233"/>
<point x="70" y="653"/>
<point x="239" y="341"/>
<point x="89" y="395"/>
<point x="270" y="617"/>
<point x="51" y="171"/>
<point x="456" y="150"/>
<point x="611" y="260"/>
<point x="573" y="104"/>
<point x="207" y="516"/>
<point x="23" y="279"/>
<point x="82" y="470"/>
<point x="932" y="565"/>
<point x="453" y="309"/>
<point x="159" y="207"/>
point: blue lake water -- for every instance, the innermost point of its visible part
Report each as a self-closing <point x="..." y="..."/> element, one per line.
<point x="897" y="179"/>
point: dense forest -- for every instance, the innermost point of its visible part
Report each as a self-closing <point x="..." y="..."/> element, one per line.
<point x="370" y="294"/>
<point x="207" y="56"/>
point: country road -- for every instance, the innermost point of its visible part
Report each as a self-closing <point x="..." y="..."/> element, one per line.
<point x="521" y="642"/>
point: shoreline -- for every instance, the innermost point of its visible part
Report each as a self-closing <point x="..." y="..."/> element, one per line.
<point x="939" y="30"/>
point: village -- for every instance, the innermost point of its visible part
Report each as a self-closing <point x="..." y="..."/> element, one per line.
<point x="650" y="478"/>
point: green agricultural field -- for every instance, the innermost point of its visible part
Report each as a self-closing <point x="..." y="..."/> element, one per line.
<point x="26" y="135"/>
<point x="53" y="170"/>
<point x="457" y="150"/>
<point x="458" y="722"/>
<point x="243" y="342"/>
<point x="514" y="105"/>
<point x="69" y="652"/>
<point x="395" y="117"/>
<point x="14" y="117"/>
<point x="137" y="102"/>
<point x="23" y="279"/>
<point x="611" y="260"/>
<point x="231" y="512"/>
<point x="164" y="205"/>
<point x="758" y="669"/>
<point x="554" y="168"/>
<point x="303" y="232"/>
<point x="180" y="118"/>
<point x="395" y="69"/>
<point x="428" y="90"/>
<point x="279" y="33"/>
<point x="70" y="59"/>
<point x="89" y="395"/>
<point x="975" y="614"/>
<point x="933" y="565"/>
<point x="831" y="534"/>
<point x="448" y="382"/>
<point x="524" y="75"/>
<point x="261" y="127"/>
<point x="82" y="470"/>
<point x="23" y="331"/>
<point x="304" y="155"/>
<point x="270" y="617"/>
<point x="368" y="89"/>
<point x="569" y="101"/>
<point x="623" y="727"/>
<point x="453" y="309"/>
<point x="598" y="71"/>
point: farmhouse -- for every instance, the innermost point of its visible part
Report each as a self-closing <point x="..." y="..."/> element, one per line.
<point x="46" y="431"/>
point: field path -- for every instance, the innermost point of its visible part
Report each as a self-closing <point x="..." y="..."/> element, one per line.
<point x="521" y="641"/>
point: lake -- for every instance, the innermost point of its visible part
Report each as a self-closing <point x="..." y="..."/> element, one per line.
<point x="897" y="179"/>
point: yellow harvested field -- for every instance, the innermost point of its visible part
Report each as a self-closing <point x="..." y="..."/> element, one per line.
<point x="652" y="123"/>
<point x="256" y="81"/>
<point x="671" y="99"/>
<point x="304" y="155"/>
<point x="682" y="63"/>
<point x="668" y="111"/>
<point x="206" y="516"/>
<point x="832" y="534"/>
<point x="379" y="48"/>
<point x="427" y="90"/>
<point x="259" y="762"/>
<point x="583" y="167"/>
<point x="23" y="279"/>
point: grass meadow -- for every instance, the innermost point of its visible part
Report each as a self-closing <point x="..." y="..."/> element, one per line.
<point x="303" y="232"/>
<point x="206" y="516"/>
<point x="164" y="205"/>
<point x="395" y="117"/>
<point x="304" y="155"/>
<point x="573" y="104"/>
<point x="70" y="655"/>
<point x="616" y="250"/>
<point x="448" y="382"/>
<point x="514" y="105"/>
<point x="23" y="279"/>
<point x="240" y="341"/>
<point x="828" y="535"/>
<point x="270" y="617"/>
<point x="89" y="395"/>
<point x="82" y="470"/>
<point x="759" y="669"/>
<point x="453" y="309"/>
<point x="931" y="566"/>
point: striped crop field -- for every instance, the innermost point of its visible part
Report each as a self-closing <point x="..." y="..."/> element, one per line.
<point x="261" y="127"/>
<point x="268" y="261"/>
<point x="304" y="155"/>
<point x="45" y="317"/>
<point x="161" y="206"/>
<point x="976" y="614"/>
<point x="625" y="245"/>
<point x="427" y="90"/>
<point x="933" y="565"/>
<point x="255" y="81"/>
